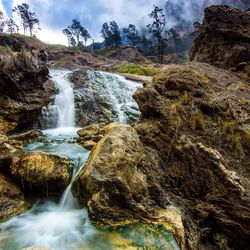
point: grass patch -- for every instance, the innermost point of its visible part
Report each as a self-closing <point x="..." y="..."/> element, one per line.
<point x="5" y="50"/>
<point x="137" y="69"/>
<point x="198" y="121"/>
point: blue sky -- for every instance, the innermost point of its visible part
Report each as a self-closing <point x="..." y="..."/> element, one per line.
<point x="55" y="15"/>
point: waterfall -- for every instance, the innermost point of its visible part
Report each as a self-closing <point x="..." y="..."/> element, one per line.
<point x="65" y="225"/>
<point x="63" y="109"/>
<point x="118" y="91"/>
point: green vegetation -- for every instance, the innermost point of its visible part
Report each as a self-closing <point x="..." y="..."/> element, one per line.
<point x="137" y="70"/>
<point x="230" y="128"/>
<point x="177" y="110"/>
<point x="5" y="50"/>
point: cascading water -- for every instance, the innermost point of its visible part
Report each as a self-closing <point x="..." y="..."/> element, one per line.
<point x="117" y="90"/>
<point x="64" y="225"/>
<point x="62" y="112"/>
<point x="64" y="100"/>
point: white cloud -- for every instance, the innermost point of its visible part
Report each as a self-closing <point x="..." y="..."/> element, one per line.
<point x="51" y="36"/>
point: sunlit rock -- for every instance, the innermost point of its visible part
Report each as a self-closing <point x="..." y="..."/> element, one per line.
<point x="41" y="172"/>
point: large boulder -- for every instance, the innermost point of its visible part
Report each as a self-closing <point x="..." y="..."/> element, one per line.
<point x="41" y="172"/>
<point x="120" y="183"/>
<point x="196" y="117"/>
<point x="12" y="200"/>
<point x="224" y="37"/>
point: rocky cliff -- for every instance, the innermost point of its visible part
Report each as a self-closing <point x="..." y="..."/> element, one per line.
<point x="224" y="37"/>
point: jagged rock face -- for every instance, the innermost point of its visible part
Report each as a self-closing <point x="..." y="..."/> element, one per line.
<point x="197" y="119"/>
<point x="224" y="37"/>
<point x="41" y="172"/>
<point x="23" y="93"/>
<point x="12" y="201"/>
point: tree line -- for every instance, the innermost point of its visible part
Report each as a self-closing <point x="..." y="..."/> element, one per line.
<point x="28" y="18"/>
<point x="153" y="40"/>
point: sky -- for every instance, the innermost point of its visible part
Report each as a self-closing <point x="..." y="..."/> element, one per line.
<point x="55" y="15"/>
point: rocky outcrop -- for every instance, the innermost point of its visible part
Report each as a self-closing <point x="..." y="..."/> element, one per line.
<point x="197" y="119"/>
<point x="41" y="172"/>
<point x="119" y="184"/>
<point x="12" y="201"/>
<point x="24" y="88"/>
<point x="190" y="151"/>
<point x="19" y="42"/>
<point x="224" y="37"/>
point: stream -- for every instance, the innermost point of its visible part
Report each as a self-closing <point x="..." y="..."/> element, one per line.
<point x="59" y="222"/>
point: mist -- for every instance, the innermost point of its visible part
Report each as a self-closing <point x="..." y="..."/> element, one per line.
<point x="181" y="14"/>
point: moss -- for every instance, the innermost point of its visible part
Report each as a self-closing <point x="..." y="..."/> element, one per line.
<point x="137" y="70"/>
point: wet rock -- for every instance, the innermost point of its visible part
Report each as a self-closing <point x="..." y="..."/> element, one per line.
<point x="224" y="37"/>
<point x="90" y="135"/>
<point x="41" y="172"/>
<point x="101" y="97"/>
<point x="31" y="134"/>
<point x="88" y="144"/>
<point x="119" y="184"/>
<point x="12" y="200"/>
<point x="91" y="130"/>
<point x="90" y="106"/>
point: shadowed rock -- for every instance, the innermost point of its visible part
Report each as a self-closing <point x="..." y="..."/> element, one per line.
<point x="12" y="201"/>
<point x="224" y="37"/>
